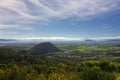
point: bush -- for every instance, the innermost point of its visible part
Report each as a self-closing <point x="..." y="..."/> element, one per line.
<point x="96" y="73"/>
<point x="107" y="66"/>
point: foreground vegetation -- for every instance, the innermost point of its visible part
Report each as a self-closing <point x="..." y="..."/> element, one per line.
<point x="20" y="65"/>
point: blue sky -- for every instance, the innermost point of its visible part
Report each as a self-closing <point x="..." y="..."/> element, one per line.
<point x="60" y="19"/>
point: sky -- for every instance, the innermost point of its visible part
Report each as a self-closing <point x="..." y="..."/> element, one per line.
<point x="59" y="19"/>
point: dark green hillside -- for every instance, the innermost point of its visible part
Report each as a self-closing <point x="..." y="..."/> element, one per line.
<point x="44" y="48"/>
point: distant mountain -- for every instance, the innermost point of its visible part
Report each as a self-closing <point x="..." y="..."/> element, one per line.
<point x="103" y="40"/>
<point x="44" y="48"/>
<point x="113" y="40"/>
<point x="89" y="40"/>
<point x="8" y="40"/>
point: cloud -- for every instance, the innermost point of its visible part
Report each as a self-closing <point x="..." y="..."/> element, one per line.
<point x="102" y="38"/>
<point x="21" y="14"/>
<point x="9" y="33"/>
<point x="11" y="30"/>
<point x="15" y="6"/>
<point x="5" y="33"/>
<point x="107" y="27"/>
<point x="50" y="38"/>
<point x="44" y="10"/>
<point x="67" y="38"/>
<point x="13" y="27"/>
<point x="75" y="8"/>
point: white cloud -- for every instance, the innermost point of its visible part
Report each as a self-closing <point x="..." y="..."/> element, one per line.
<point x="107" y="27"/>
<point x="9" y="33"/>
<point x="50" y="38"/>
<point x="43" y="10"/>
<point x="74" y="8"/>
<point x="5" y="33"/>
<point x="102" y="38"/>
<point x="16" y="6"/>
<point x="23" y="13"/>
<point x="67" y="38"/>
<point x="19" y="27"/>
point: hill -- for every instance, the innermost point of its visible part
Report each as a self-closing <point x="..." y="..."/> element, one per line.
<point x="44" y="48"/>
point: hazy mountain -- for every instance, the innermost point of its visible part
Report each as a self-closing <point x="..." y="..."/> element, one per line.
<point x="89" y="40"/>
<point x="113" y="40"/>
<point x="8" y="40"/>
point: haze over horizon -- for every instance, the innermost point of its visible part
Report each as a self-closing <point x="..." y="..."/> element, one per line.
<point x="59" y="19"/>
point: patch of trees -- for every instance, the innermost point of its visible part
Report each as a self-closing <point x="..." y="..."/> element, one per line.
<point x="20" y="66"/>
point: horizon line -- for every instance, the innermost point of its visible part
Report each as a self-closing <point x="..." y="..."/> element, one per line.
<point x="63" y="38"/>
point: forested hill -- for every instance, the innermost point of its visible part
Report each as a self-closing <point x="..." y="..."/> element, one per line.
<point x="44" y="48"/>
